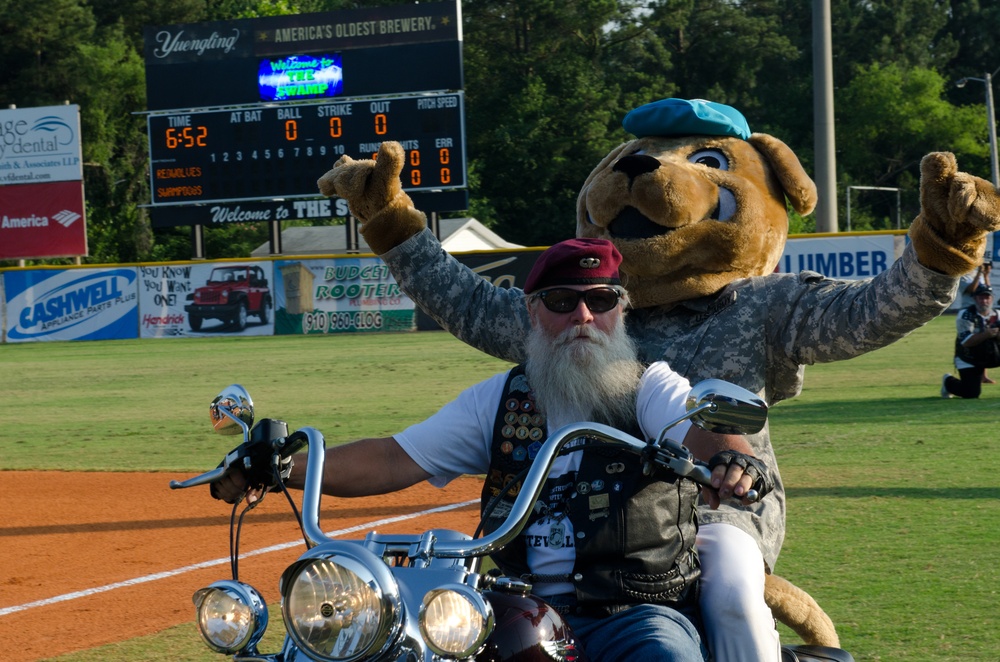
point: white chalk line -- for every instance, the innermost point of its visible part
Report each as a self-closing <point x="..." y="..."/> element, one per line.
<point x="208" y="564"/>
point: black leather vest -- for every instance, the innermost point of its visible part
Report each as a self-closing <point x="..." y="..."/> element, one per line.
<point x="634" y="534"/>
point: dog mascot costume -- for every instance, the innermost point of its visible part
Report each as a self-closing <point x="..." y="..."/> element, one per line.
<point x="696" y="204"/>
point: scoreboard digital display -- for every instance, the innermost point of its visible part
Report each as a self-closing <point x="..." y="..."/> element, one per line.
<point x="257" y="109"/>
<point x="276" y="151"/>
<point x="297" y="77"/>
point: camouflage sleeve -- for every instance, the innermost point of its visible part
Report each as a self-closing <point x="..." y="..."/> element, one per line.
<point x="490" y="318"/>
<point x="834" y="320"/>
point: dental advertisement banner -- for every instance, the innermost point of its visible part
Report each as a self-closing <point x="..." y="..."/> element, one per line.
<point x="338" y="296"/>
<point x="71" y="304"/>
<point x="206" y="299"/>
<point x="40" y="145"/>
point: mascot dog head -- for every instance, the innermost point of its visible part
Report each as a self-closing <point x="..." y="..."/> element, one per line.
<point x="694" y="202"/>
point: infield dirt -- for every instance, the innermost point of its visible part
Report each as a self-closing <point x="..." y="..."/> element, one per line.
<point x="92" y="558"/>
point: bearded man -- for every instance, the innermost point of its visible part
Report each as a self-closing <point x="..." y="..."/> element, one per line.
<point x="610" y="547"/>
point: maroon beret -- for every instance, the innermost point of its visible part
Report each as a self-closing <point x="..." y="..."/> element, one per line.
<point x="582" y="261"/>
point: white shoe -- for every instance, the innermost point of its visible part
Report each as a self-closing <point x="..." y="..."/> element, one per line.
<point x="944" y="390"/>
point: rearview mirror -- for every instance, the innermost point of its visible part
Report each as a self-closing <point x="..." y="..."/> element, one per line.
<point x="232" y="411"/>
<point x="726" y="408"/>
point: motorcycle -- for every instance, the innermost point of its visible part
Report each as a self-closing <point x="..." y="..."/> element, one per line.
<point x="421" y="597"/>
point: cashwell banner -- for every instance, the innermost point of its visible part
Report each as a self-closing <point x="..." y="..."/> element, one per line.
<point x="71" y="304"/>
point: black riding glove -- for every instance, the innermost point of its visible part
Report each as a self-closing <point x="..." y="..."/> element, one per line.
<point x="757" y="470"/>
<point x="255" y="462"/>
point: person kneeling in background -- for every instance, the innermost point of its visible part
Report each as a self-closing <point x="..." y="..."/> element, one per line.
<point x="976" y="346"/>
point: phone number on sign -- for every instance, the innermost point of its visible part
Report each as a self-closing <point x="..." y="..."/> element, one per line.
<point x="324" y="322"/>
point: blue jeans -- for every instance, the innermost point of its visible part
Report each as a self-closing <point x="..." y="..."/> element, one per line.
<point x="644" y="632"/>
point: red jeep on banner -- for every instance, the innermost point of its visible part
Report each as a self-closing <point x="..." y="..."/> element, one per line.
<point x="231" y="294"/>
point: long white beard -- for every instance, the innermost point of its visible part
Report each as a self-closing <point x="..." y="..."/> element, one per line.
<point x="584" y="380"/>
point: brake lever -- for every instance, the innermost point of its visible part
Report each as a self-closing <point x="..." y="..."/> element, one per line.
<point x="270" y="432"/>
<point x="238" y="454"/>
<point x="203" y="479"/>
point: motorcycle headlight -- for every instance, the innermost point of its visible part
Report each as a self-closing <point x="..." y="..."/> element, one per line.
<point x="455" y="621"/>
<point x="232" y="616"/>
<point x="338" y="608"/>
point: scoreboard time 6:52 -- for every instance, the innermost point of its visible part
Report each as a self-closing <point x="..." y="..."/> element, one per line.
<point x="279" y="151"/>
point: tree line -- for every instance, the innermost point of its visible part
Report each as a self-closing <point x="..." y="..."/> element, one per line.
<point x="547" y="83"/>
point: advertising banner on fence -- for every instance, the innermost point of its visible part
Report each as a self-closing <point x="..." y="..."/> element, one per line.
<point x="223" y="298"/>
<point x="42" y="220"/>
<point x="71" y="304"/>
<point x="337" y="296"/>
<point x="40" y="145"/>
<point x="850" y="257"/>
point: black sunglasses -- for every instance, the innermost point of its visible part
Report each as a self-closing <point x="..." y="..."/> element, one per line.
<point x="565" y="300"/>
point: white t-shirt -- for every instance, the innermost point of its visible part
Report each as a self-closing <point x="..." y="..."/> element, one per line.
<point x="457" y="439"/>
<point x="972" y="280"/>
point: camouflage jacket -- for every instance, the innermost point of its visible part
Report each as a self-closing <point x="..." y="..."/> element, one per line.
<point x="759" y="333"/>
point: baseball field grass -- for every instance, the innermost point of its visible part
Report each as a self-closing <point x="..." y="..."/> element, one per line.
<point x="893" y="502"/>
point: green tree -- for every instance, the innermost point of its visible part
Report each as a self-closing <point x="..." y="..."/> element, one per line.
<point x="112" y="86"/>
<point x="541" y="108"/>
<point x="719" y="49"/>
<point x="888" y="118"/>
<point x="39" y="50"/>
<point x="973" y="24"/>
<point x="910" y="33"/>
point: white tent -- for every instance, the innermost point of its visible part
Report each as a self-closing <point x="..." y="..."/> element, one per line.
<point x="457" y="235"/>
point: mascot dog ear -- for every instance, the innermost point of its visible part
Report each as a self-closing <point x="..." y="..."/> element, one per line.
<point x="796" y="184"/>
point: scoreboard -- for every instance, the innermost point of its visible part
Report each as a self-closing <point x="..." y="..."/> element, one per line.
<point x="258" y="109"/>
<point x="273" y="150"/>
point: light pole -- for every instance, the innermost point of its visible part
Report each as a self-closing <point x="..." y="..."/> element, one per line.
<point x="991" y="123"/>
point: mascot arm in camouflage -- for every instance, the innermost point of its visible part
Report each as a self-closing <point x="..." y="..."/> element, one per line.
<point x="492" y="319"/>
<point x="692" y="213"/>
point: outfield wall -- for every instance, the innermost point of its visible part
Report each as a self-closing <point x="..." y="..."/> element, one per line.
<point x="311" y="295"/>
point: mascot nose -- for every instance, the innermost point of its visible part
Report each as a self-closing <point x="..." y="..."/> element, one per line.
<point x="634" y="165"/>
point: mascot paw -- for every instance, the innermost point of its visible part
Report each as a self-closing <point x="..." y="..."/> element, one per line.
<point x="375" y="196"/>
<point x="957" y="211"/>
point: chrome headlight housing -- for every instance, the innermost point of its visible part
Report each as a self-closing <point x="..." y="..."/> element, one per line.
<point x="455" y="621"/>
<point x="232" y="616"/>
<point x="341" y="603"/>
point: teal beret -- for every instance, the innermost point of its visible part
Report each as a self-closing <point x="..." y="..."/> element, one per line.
<point x="684" y="117"/>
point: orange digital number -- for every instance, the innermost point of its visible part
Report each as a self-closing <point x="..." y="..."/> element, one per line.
<point x="336" y="127"/>
<point x="415" y="177"/>
<point x="414" y="158"/>
<point x="291" y="130"/>
<point x="381" y="124"/>
<point x="444" y="156"/>
<point x="445" y="175"/>
<point x="186" y="137"/>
